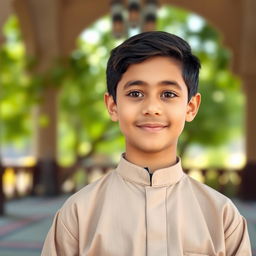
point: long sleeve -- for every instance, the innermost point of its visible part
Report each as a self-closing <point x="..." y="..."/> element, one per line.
<point x="60" y="241"/>
<point x="238" y="242"/>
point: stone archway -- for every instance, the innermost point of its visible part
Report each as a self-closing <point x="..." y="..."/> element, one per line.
<point x="51" y="27"/>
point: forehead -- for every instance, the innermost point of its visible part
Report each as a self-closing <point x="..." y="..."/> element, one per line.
<point x="153" y="71"/>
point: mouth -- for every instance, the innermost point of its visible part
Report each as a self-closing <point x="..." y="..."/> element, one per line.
<point x="152" y="127"/>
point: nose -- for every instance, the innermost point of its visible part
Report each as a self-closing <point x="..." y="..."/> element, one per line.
<point x="152" y="107"/>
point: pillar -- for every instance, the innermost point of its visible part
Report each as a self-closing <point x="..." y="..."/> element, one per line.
<point x="46" y="130"/>
<point x="247" y="71"/>
<point x="40" y="25"/>
<point x="248" y="188"/>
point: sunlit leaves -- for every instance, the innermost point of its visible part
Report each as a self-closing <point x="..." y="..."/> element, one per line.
<point x="84" y="124"/>
<point x="220" y="115"/>
<point x="16" y="86"/>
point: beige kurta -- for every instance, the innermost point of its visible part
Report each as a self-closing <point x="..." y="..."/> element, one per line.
<point x="126" y="213"/>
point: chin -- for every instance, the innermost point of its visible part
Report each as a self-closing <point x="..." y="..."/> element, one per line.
<point x="152" y="149"/>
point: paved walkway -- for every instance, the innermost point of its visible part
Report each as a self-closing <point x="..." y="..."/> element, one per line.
<point x="23" y="229"/>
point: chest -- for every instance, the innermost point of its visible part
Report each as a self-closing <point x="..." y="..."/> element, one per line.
<point x="152" y="222"/>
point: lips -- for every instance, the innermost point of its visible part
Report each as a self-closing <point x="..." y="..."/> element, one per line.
<point x="152" y="127"/>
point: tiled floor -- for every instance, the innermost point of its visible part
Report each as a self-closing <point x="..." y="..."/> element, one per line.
<point x="23" y="229"/>
<point x="27" y="221"/>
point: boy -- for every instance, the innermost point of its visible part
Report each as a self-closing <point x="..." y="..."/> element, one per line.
<point x="148" y="206"/>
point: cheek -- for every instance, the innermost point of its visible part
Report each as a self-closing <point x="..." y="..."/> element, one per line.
<point x="127" y="112"/>
<point x="124" y="117"/>
<point x="177" y="112"/>
<point x="178" y="117"/>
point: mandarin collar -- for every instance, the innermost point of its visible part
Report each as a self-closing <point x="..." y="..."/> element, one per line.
<point x="160" y="178"/>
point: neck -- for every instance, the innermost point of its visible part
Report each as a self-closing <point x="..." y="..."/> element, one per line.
<point x="152" y="160"/>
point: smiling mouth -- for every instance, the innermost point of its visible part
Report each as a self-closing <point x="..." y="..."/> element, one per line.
<point x="152" y="127"/>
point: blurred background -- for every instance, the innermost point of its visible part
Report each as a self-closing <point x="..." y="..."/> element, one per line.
<point x="55" y="134"/>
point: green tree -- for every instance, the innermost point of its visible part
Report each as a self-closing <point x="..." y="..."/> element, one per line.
<point x="18" y="89"/>
<point x="83" y="118"/>
<point x="220" y="115"/>
<point x="84" y="126"/>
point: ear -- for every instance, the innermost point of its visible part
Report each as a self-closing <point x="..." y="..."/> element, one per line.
<point x="192" y="107"/>
<point x="111" y="106"/>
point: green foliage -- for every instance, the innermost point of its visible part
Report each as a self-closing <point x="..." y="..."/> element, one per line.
<point x="17" y="88"/>
<point x="82" y="107"/>
<point x="220" y="116"/>
<point x="84" y="125"/>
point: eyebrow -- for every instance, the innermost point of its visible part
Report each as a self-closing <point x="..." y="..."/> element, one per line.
<point x="141" y="82"/>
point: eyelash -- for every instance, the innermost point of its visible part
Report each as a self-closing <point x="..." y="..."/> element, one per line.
<point x="131" y="94"/>
<point x="170" y="93"/>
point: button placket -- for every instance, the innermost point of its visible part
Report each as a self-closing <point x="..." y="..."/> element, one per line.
<point x="156" y="221"/>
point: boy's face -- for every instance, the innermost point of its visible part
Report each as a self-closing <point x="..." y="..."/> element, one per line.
<point x="152" y="106"/>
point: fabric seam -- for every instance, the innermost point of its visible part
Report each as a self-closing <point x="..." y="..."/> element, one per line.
<point x="234" y="229"/>
<point x="62" y="222"/>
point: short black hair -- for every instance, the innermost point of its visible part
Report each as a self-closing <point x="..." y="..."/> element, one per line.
<point x="145" y="45"/>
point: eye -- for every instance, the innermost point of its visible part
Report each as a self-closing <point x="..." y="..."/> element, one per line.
<point x="135" y="94"/>
<point x="168" y="94"/>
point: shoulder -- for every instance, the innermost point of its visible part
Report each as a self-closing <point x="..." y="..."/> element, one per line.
<point x="204" y="192"/>
<point x="216" y="204"/>
<point x="221" y="216"/>
<point x="85" y="199"/>
<point x="88" y="193"/>
<point x="81" y="206"/>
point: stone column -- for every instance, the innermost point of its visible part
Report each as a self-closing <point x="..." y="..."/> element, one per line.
<point x="247" y="60"/>
<point x="248" y="188"/>
<point x="46" y="124"/>
<point x="40" y="25"/>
